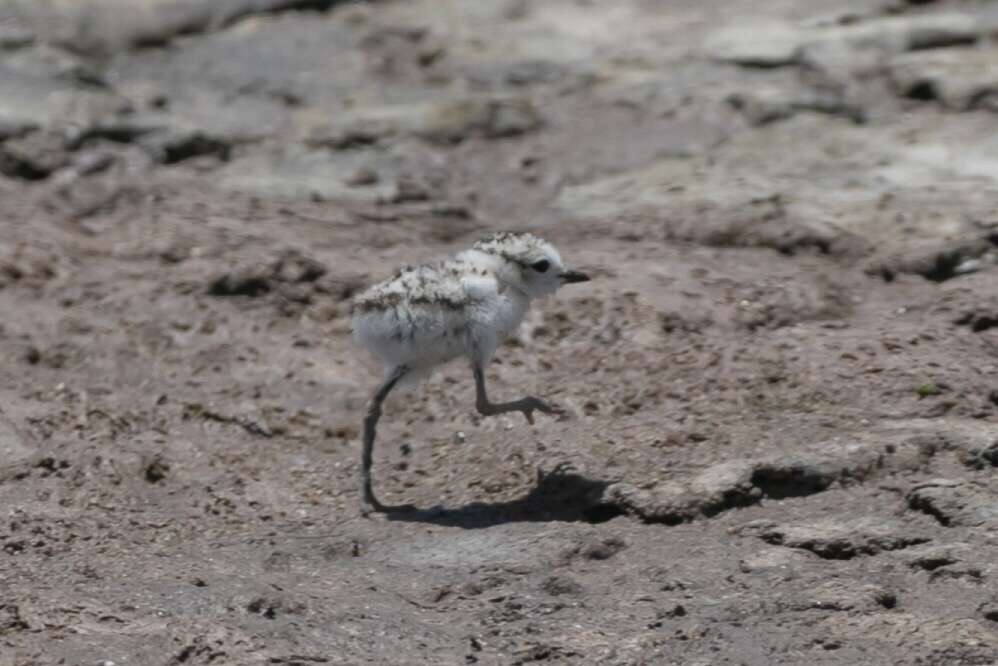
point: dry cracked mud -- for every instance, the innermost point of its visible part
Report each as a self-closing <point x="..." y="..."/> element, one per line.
<point x="780" y="426"/>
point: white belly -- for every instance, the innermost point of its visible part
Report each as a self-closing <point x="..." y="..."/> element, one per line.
<point x="421" y="337"/>
<point x="414" y="337"/>
<point x="494" y="320"/>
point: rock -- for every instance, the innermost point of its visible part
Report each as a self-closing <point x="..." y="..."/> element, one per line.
<point x="840" y="70"/>
<point x="363" y="177"/>
<point x="13" y="37"/>
<point x="449" y="121"/>
<point x="602" y="549"/>
<point x="506" y="117"/>
<point x="965" y="437"/>
<point x="772" y="306"/>
<point x="762" y="106"/>
<point x="935" y="260"/>
<point x="14" y="447"/>
<point x="219" y="84"/>
<point x="737" y="215"/>
<point x="536" y="71"/>
<point x="807" y="475"/>
<point x="15" y="127"/>
<point x="984" y="456"/>
<point x="774" y="559"/>
<point x="591" y="548"/>
<point x="288" y="268"/>
<point x="780" y="44"/>
<point x="741" y="483"/>
<point x="725" y="484"/>
<point x="409" y="189"/>
<point x="102" y="27"/>
<point x="197" y="121"/>
<point x="44" y="96"/>
<point x="156" y="469"/>
<point x="559" y="585"/>
<point x="834" y="540"/>
<point x="31" y="265"/>
<point x="843" y="596"/>
<point x="955" y="503"/>
<point x="935" y="556"/>
<point x="80" y="199"/>
<point x="296" y="172"/>
<point x="117" y="130"/>
<point x="294" y="267"/>
<point x="762" y="45"/>
<point x="962" y="79"/>
<point x="718" y="488"/>
<point x="170" y="147"/>
<point x="47" y="62"/>
<point x="365" y="128"/>
<point x="726" y="197"/>
<point x="33" y="156"/>
<point x="89" y="163"/>
<point x="651" y="507"/>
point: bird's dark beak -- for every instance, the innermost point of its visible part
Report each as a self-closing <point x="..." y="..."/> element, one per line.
<point x="569" y="277"/>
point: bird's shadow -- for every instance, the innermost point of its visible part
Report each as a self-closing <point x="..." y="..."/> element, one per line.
<point x="559" y="495"/>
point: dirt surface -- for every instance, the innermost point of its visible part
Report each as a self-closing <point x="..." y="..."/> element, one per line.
<point x="781" y="407"/>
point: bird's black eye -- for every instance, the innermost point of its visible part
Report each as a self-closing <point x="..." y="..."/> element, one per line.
<point x="541" y="266"/>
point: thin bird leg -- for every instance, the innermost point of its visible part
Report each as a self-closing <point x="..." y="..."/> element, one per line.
<point x="526" y="405"/>
<point x="368" y="501"/>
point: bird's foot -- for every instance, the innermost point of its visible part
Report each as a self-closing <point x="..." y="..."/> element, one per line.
<point x="370" y="504"/>
<point x="527" y="406"/>
<point x="531" y="404"/>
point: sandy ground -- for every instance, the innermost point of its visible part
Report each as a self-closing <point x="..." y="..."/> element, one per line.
<point x="781" y="413"/>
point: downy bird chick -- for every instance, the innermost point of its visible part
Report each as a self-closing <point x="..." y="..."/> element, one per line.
<point x="464" y="306"/>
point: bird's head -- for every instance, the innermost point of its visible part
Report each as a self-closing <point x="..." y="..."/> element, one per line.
<point x="528" y="264"/>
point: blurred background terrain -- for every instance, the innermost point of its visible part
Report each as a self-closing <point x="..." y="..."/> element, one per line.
<point x="781" y="423"/>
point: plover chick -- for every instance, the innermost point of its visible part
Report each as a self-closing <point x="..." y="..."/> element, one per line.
<point x="464" y="306"/>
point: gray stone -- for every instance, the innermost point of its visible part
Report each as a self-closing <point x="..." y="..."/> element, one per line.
<point x="989" y="609"/>
<point x="13" y="37"/>
<point x="99" y="27"/>
<point x="744" y="482"/>
<point x="733" y="484"/>
<point x="845" y="596"/>
<point x="962" y="79"/>
<point x="955" y="503"/>
<point x="447" y="121"/>
<point x="764" y="45"/>
<point x="255" y="71"/>
<point x="296" y="172"/>
<point x="208" y="115"/>
<point x="559" y="585"/>
<point x="986" y="455"/>
<point x="33" y="99"/>
<point x="14" y="448"/>
<point x="761" y="106"/>
<point x="33" y="156"/>
<point x="779" y="44"/>
<point x="15" y="127"/>
<point x="773" y="558"/>
<point x="726" y="197"/>
<point x="836" y="540"/>
<point x="172" y="145"/>
<point x="934" y="556"/>
<point x="935" y="259"/>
